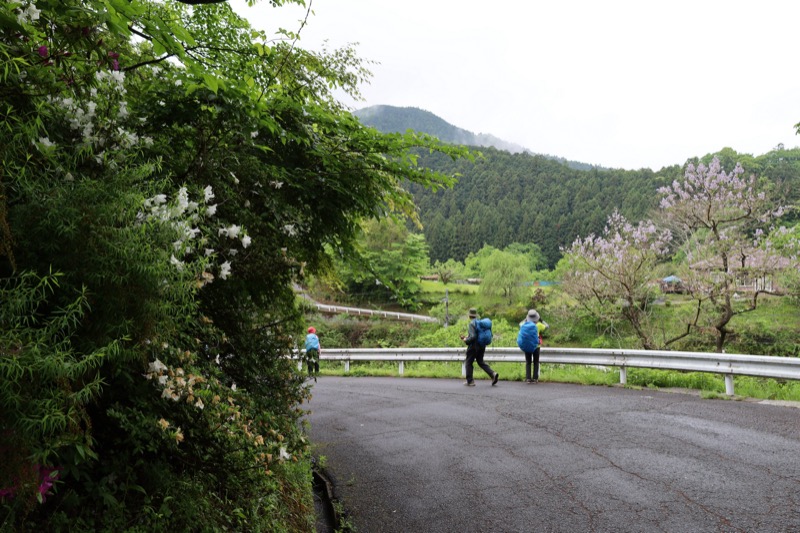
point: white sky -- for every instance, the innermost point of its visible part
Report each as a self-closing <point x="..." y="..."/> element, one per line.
<point x="617" y="83"/>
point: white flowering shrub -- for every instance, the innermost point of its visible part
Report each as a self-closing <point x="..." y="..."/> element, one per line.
<point x="173" y="171"/>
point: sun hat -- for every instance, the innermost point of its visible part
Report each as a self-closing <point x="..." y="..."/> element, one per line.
<point x="312" y="330"/>
<point x="473" y="313"/>
<point x="533" y="315"/>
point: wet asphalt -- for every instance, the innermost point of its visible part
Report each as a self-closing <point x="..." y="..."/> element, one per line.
<point x="431" y="455"/>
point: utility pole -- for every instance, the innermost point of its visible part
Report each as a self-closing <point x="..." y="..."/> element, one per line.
<point x="446" y="308"/>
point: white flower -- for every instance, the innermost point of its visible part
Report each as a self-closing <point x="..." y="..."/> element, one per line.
<point x="177" y="262"/>
<point x="233" y="387"/>
<point x="246" y="240"/>
<point x="118" y="77"/>
<point x="45" y="142"/>
<point x="178" y="83"/>
<point x="32" y="12"/>
<point x="157" y="366"/>
<point x="29" y="14"/>
<point x="290" y="230"/>
<point x="225" y="270"/>
<point x="208" y="194"/>
<point x="232" y="231"/>
<point x="183" y="200"/>
<point x="253" y="134"/>
<point x="199" y="404"/>
<point x="162" y="380"/>
<point x="232" y="252"/>
<point x="284" y="455"/>
<point x="276" y="184"/>
<point x="211" y="210"/>
<point x="209" y="251"/>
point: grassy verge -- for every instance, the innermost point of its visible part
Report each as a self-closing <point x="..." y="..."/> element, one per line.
<point x="710" y="385"/>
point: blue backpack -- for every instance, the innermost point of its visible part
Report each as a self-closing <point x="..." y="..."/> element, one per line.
<point x="483" y="331"/>
<point x="528" y="337"/>
<point x="312" y="342"/>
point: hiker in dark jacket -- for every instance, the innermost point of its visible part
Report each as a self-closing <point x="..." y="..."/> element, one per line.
<point x="475" y="351"/>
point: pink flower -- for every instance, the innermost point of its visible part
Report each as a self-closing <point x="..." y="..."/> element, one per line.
<point x="48" y="476"/>
<point x="43" y="51"/>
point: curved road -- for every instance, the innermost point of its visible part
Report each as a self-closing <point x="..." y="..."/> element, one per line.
<point x="431" y="455"/>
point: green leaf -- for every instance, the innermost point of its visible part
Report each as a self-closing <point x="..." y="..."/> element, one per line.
<point x="212" y="82"/>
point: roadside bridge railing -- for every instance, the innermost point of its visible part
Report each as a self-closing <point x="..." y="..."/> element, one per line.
<point x="729" y="365"/>
<point x="339" y="309"/>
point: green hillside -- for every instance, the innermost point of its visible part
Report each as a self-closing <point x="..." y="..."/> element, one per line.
<point x="506" y="197"/>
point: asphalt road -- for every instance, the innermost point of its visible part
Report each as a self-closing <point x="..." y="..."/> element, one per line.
<point x="431" y="455"/>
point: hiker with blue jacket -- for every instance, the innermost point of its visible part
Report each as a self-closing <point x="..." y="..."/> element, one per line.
<point x="313" y="350"/>
<point x="529" y="341"/>
<point x="475" y="351"/>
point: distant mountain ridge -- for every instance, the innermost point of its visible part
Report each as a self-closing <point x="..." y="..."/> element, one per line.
<point x="391" y="119"/>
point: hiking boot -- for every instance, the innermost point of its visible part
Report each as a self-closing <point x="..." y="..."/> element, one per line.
<point x="469" y="383"/>
<point x="528" y="381"/>
<point x="535" y="381"/>
<point x="495" y="378"/>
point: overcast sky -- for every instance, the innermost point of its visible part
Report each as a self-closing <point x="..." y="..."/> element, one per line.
<point x="617" y="83"/>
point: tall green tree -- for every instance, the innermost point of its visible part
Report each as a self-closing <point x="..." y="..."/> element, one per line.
<point x="167" y="172"/>
<point x="390" y="262"/>
<point x="503" y="274"/>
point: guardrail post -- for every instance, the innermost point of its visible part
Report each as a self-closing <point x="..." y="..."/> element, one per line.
<point x="623" y="375"/>
<point x="401" y="368"/>
<point x="346" y="367"/>
<point x="729" y="384"/>
<point x="463" y="369"/>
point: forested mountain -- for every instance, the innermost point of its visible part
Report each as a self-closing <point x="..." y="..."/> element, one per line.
<point x="506" y="197"/>
<point x="391" y="119"/>
<point x="503" y="198"/>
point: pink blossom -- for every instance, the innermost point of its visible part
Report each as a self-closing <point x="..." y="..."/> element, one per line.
<point x="43" y="51"/>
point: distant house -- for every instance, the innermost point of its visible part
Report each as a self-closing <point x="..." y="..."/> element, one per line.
<point x="672" y="285"/>
<point x="753" y="272"/>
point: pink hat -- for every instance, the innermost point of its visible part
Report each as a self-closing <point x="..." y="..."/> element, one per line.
<point x="312" y="330"/>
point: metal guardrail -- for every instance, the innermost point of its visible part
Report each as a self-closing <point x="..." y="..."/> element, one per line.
<point x="728" y="365"/>
<point x="336" y="309"/>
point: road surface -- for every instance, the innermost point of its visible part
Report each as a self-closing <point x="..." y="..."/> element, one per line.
<point x="431" y="455"/>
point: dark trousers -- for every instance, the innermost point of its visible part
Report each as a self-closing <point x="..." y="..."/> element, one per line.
<point x="475" y="354"/>
<point x="312" y="357"/>
<point x="535" y="357"/>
